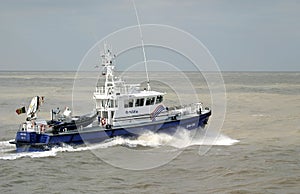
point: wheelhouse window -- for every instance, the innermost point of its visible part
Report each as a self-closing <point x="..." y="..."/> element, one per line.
<point x="139" y="102"/>
<point x="104" y="114"/>
<point x="111" y="104"/>
<point x="159" y="99"/>
<point x="128" y="103"/>
<point x="150" y="101"/>
<point x="102" y="103"/>
<point x="108" y="103"/>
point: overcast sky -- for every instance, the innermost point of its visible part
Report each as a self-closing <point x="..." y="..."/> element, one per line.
<point x="257" y="35"/>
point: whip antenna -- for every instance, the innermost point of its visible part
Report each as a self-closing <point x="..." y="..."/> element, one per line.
<point x="143" y="47"/>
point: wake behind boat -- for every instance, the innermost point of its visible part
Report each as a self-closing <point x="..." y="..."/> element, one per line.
<point x="121" y="110"/>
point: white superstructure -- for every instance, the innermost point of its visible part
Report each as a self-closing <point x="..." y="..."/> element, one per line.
<point x="118" y="103"/>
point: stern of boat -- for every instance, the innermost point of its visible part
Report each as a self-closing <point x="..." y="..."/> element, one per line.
<point x="30" y="141"/>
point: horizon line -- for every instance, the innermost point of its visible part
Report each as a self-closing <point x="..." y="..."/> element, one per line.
<point x="225" y="71"/>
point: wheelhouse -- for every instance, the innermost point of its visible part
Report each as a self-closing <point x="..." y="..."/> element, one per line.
<point x="119" y="103"/>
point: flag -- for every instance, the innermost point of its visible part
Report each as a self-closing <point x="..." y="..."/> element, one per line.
<point x="156" y="112"/>
<point x="21" y="110"/>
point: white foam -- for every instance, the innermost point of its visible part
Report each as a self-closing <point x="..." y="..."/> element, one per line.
<point x="5" y="146"/>
<point x="14" y="156"/>
<point x="182" y="139"/>
<point x="225" y="141"/>
<point x="185" y="138"/>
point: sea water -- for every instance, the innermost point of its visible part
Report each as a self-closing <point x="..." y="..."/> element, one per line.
<point x="256" y="150"/>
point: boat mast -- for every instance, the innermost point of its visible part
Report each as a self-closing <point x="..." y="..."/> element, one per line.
<point x="107" y="62"/>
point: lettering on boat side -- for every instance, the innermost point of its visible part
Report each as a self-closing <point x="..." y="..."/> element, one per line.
<point x="190" y="125"/>
<point x="131" y="111"/>
<point x="23" y="135"/>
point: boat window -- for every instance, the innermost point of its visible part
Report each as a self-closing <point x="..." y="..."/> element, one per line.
<point x="111" y="104"/>
<point x="104" y="114"/>
<point x="159" y="99"/>
<point x="128" y="103"/>
<point x="112" y="114"/>
<point x="139" y="102"/>
<point x="150" y="101"/>
<point x="99" y="103"/>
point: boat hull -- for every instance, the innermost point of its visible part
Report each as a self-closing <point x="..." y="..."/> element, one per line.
<point x="32" y="141"/>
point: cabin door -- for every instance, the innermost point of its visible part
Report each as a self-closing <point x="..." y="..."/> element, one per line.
<point x="110" y="117"/>
<point x="104" y="114"/>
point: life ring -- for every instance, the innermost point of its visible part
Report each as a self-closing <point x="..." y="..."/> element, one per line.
<point x="103" y="121"/>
